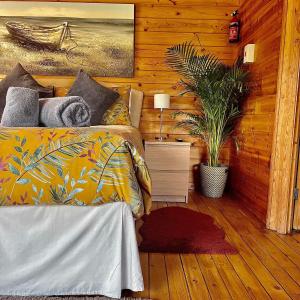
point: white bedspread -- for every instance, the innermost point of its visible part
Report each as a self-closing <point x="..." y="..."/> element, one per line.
<point x="65" y="250"/>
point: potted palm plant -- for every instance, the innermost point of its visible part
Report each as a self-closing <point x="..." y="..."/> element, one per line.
<point x="219" y="90"/>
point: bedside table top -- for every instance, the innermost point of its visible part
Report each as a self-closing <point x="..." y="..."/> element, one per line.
<point x="171" y="143"/>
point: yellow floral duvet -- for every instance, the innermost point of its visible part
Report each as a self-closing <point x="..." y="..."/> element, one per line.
<point x="74" y="166"/>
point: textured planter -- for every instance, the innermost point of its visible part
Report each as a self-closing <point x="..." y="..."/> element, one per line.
<point x="213" y="180"/>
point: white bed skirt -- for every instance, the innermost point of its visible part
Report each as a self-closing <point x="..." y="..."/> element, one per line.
<point x="67" y="250"/>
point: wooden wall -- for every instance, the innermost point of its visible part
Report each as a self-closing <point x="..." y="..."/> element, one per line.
<point x="160" y="24"/>
<point x="250" y="167"/>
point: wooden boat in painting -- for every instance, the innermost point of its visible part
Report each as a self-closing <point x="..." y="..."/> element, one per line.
<point x="49" y="37"/>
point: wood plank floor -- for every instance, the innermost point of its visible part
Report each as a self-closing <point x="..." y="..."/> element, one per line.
<point x="267" y="266"/>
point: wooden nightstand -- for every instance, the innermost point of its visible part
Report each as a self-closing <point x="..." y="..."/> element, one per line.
<point x="168" y="163"/>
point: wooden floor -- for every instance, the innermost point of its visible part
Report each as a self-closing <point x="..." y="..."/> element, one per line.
<point x="267" y="266"/>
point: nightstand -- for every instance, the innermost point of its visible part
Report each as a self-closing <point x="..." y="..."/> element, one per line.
<point x="168" y="163"/>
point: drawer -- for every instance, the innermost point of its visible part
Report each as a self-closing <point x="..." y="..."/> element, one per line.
<point x="168" y="157"/>
<point x="169" y="183"/>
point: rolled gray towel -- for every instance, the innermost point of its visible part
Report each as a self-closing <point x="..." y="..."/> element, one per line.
<point x="70" y="111"/>
<point x="21" y="108"/>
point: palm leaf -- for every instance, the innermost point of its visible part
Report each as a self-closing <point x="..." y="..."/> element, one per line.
<point x="184" y="59"/>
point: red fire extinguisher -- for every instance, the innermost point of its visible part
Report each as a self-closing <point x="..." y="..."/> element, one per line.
<point x="234" y="28"/>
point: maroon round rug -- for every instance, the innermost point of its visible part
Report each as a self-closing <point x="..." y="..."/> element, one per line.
<point x="182" y="230"/>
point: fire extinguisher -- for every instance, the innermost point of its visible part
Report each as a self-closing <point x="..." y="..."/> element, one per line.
<point x="234" y="28"/>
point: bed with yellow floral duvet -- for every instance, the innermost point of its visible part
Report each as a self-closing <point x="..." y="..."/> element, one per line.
<point x="74" y="166"/>
<point x="67" y="201"/>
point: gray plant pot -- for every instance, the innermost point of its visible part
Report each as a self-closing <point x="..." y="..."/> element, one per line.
<point x="213" y="180"/>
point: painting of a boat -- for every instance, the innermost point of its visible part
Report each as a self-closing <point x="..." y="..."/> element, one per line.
<point x="40" y="36"/>
<point x="60" y="37"/>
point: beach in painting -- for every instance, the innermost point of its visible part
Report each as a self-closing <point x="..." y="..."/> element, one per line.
<point x="102" y="47"/>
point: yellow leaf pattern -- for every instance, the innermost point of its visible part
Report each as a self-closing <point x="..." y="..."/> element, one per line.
<point x="63" y="166"/>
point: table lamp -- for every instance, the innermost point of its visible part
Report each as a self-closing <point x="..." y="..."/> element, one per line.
<point x="161" y="101"/>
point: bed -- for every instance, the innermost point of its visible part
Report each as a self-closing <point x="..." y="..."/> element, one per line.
<point x="68" y="199"/>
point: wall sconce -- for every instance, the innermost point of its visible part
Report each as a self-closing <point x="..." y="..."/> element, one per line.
<point x="249" y="54"/>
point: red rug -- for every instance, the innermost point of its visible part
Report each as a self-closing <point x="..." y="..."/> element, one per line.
<point x="182" y="230"/>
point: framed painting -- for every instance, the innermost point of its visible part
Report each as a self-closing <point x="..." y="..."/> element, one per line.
<point x="59" y="38"/>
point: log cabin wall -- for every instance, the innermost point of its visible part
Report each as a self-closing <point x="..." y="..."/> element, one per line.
<point x="160" y="24"/>
<point x="250" y="166"/>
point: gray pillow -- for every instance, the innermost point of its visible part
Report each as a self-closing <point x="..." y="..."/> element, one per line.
<point x="98" y="97"/>
<point x="21" y="109"/>
<point x="19" y="77"/>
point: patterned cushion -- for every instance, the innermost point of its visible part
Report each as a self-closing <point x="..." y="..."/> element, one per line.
<point x="118" y="113"/>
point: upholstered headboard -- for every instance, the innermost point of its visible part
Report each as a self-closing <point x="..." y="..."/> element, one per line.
<point x="135" y="107"/>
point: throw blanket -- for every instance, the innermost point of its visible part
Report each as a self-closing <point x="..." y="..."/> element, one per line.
<point x="77" y="166"/>
<point x="70" y="111"/>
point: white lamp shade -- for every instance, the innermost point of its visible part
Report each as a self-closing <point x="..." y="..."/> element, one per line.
<point x="161" y="101"/>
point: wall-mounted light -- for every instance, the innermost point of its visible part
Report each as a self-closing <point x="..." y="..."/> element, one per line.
<point x="249" y="54"/>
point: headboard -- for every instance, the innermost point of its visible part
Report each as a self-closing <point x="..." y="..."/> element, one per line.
<point x="135" y="107"/>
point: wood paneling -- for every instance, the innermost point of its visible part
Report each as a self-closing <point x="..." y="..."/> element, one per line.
<point x="160" y="24"/>
<point x="286" y="133"/>
<point x="250" y="166"/>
